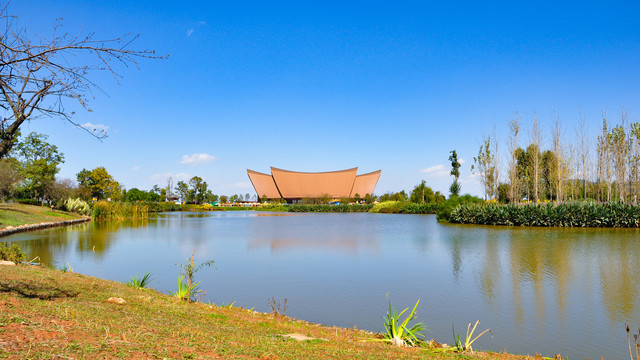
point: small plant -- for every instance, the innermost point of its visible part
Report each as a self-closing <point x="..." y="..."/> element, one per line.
<point x="466" y="346"/>
<point x="275" y="306"/>
<point x="398" y="333"/>
<point x="140" y="283"/>
<point x="66" y="268"/>
<point x="185" y="290"/>
<point x="189" y="268"/>
<point x="13" y="253"/>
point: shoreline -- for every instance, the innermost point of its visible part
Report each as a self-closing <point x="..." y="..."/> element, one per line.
<point x="9" y="230"/>
<point x="77" y="315"/>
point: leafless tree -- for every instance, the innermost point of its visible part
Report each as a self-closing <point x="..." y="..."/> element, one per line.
<point x="634" y="161"/>
<point x="562" y="165"/>
<point x="583" y="152"/>
<point x="514" y="131"/>
<point x="39" y="74"/>
<point x="605" y="172"/>
<point x="620" y="148"/>
<point x="536" y="140"/>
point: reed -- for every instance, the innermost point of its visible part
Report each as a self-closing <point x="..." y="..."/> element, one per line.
<point x="103" y="210"/>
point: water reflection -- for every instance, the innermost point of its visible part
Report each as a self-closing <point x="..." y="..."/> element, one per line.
<point x="549" y="290"/>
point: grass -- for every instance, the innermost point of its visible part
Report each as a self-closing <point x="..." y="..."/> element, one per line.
<point x="46" y="313"/>
<point x="20" y="214"/>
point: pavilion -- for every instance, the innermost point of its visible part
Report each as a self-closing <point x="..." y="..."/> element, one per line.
<point x="293" y="186"/>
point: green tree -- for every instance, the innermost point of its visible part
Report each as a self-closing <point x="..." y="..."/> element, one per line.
<point x="39" y="164"/>
<point x="98" y="183"/>
<point x="183" y="190"/>
<point x="369" y="199"/>
<point x="9" y="177"/>
<point x="210" y="197"/>
<point x="224" y="199"/>
<point x="198" y="188"/>
<point x="422" y="194"/>
<point x="455" y="187"/>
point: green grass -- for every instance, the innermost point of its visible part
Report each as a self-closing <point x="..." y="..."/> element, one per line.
<point x="20" y="214"/>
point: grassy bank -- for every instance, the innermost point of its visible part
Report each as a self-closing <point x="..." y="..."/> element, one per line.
<point x="20" y="214"/>
<point x="47" y="313"/>
<point x="580" y="214"/>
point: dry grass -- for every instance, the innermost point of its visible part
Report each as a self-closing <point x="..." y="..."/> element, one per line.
<point x="46" y="313"/>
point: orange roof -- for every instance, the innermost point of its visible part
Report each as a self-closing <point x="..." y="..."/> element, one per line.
<point x="297" y="185"/>
<point x="264" y="184"/>
<point x="365" y="183"/>
<point x="293" y="184"/>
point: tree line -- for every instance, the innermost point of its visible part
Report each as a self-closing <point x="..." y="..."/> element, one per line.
<point x="29" y="171"/>
<point x="605" y="168"/>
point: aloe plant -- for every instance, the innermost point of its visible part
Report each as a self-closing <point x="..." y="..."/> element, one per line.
<point x="185" y="290"/>
<point x="140" y="283"/>
<point x="398" y="332"/>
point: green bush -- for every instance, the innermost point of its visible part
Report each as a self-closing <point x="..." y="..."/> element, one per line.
<point x="324" y="208"/>
<point x="576" y="214"/>
<point x="13" y="253"/>
<point x="77" y="206"/>
<point x="444" y="213"/>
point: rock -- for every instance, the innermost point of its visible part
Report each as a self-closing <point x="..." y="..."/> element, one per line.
<point x="5" y="262"/>
<point x="300" y="337"/>
<point x="116" y="300"/>
<point x="398" y="342"/>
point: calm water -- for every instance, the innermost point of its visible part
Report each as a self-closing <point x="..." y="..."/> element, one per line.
<point x="539" y="290"/>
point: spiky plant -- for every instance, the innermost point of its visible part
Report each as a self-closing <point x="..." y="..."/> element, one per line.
<point x="398" y="332"/>
<point x="140" y="283"/>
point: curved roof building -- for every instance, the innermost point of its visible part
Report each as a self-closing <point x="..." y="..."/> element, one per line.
<point x="294" y="185"/>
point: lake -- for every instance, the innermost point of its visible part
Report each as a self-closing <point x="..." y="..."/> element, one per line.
<point x="544" y="290"/>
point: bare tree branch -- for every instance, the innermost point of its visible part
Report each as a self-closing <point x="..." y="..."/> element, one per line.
<point x="37" y="76"/>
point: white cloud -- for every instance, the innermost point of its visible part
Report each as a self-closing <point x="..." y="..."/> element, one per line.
<point x="95" y="127"/>
<point x="189" y="32"/>
<point x="436" y="171"/>
<point x="163" y="177"/>
<point x="197" y="159"/>
<point x="135" y="168"/>
<point x="462" y="161"/>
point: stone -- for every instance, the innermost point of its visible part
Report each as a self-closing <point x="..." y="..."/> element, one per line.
<point x="116" y="300"/>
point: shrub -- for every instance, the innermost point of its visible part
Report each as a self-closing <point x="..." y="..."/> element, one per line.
<point x="444" y="213"/>
<point x="579" y="214"/>
<point x="13" y="253"/>
<point x="77" y="206"/>
<point x="324" y="208"/>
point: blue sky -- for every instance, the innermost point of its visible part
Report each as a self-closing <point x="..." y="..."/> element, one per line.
<point x="333" y="86"/>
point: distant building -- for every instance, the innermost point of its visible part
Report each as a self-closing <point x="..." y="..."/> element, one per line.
<point x="293" y="185"/>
